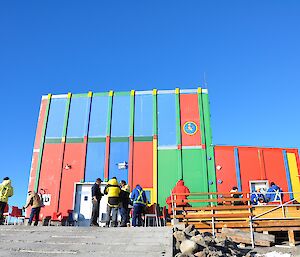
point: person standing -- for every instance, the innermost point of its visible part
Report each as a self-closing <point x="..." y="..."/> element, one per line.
<point x="6" y="191"/>
<point x="96" y="198"/>
<point x="113" y="192"/>
<point x="34" y="200"/>
<point x="139" y="200"/>
<point x="124" y="198"/>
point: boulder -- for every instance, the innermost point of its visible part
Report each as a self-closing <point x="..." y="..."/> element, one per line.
<point x="188" y="247"/>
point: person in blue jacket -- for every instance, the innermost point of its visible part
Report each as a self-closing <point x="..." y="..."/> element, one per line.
<point x="274" y="193"/>
<point x="257" y="197"/>
<point x="139" y="200"/>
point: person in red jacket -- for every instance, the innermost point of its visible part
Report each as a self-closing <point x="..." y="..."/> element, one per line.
<point x="180" y="188"/>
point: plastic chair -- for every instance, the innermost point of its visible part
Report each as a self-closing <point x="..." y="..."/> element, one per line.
<point x="6" y="214"/>
<point x="152" y="214"/>
<point x="163" y="216"/>
<point x="58" y="218"/>
<point x="17" y="214"/>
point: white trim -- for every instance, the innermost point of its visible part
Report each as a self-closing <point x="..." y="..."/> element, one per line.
<point x="205" y="91"/>
<point x="145" y="92"/>
<point x="188" y="91"/>
<point x="192" y="147"/>
<point x="164" y="92"/>
<point x="36" y="150"/>
<point x="59" y="96"/>
<point x="168" y="147"/>
<point x="44" y="97"/>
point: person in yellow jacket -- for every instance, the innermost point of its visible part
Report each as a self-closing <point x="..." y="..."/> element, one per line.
<point x="6" y="191"/>
<point x="112" y="190"/>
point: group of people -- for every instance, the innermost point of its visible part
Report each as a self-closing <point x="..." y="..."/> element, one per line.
<point x="258" y="197"/>
<point x="119" y="199"/>
<point x="34" y="201"/>
<point x="273" y="194"/>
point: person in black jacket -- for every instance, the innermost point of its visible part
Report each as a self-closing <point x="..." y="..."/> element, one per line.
<point x="124" y="198"/>
<point x="96" y="197"/>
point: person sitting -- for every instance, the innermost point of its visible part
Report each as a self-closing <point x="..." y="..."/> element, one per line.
<point x="274" y="193"/>
<point x="179" y="188"/>
<point x="235" y="194"/>
<point x="257" y="197"/>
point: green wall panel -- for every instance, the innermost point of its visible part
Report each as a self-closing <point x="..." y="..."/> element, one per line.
<point x="167" y="173"/>
<point x="195" y="178"/>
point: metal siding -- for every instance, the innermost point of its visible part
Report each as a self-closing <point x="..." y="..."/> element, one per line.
<point x="119" y="152"/>
<point x="167" y="174"/>
<point x="189" y="112"/>
<point x="275" y="169"/>
<point x="98" y="116"/>
<point x="56" y="118"/>
<point x="120" y="123"/>
<point x="249" y="166"/>
<point x="74" y="156"/>
<point x="166" y="117"/>
<point x="50" y="175"/>
<point x="194" y="176"/>
<point x="143" y="164"/>
<point x="294" y="173"/>
<point x="143" y="115"/>
<point x="78" y="117"/>
<point x="95" y="161"/>
<point x="226" y="176"/>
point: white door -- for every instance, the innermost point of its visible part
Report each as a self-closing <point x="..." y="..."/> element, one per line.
<point x="83" y="204"/>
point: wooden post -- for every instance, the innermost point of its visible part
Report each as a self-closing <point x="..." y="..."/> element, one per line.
<point x="291" y="237"/>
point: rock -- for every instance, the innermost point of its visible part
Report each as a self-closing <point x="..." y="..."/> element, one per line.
<point x="199" y="240"/>
<point x="189" y="228"/>
<point x="188" y="246"/>
<point x="179" y="236"/>
<point x="200" y="254"/>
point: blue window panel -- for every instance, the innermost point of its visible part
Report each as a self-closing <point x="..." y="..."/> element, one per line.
<point x="166" y="117"/>
<point x="119" y="152"/>
<point x="148" y="195"/>
<point x="98" y="116"/>
<point x="120" y="116"/>
<point x="78" y="117"/>
<point x="143" y="115"/>
<point x="56" y="118"/>
<point x="95" y="162"/>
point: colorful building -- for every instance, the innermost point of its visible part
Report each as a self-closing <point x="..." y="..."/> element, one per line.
<point x="152" y="138"/>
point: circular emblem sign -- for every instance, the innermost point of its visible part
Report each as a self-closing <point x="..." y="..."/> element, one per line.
<point x="190" y="128"/>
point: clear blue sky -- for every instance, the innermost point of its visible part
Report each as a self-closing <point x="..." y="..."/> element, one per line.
<point x="250" y="51"/>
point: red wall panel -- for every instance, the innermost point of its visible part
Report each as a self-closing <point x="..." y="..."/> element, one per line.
<point x="37" y="142"/>
<point x="75" y="158"/>
<point x="250" y="166"/>
<point x="275" y="169"/>
<point x="189" y="111"/>
<point x="143" y="164"/>
<point x="50" y="175"/>
<point x="224" y="157"/>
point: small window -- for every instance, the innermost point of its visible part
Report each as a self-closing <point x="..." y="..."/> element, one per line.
<point x="263" y="185"/>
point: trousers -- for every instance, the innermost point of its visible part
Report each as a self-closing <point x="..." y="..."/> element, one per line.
<point x="35" y="212"/>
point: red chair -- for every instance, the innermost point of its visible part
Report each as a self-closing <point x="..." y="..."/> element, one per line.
<point x="17" y="214"/>
<point x="58" y="218"/>
<point x="6" y="214"/>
